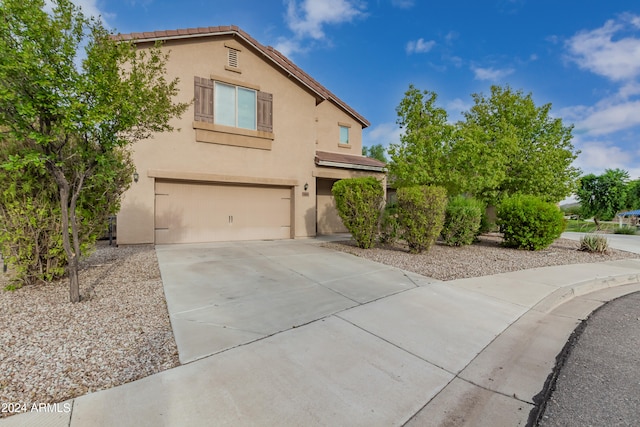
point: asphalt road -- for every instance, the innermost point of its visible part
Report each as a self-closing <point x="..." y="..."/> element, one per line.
<point x="599" y="383"/>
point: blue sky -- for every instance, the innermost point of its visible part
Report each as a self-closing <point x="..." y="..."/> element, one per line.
<point x="582" y="56"/>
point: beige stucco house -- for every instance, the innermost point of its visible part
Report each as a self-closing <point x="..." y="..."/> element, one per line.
<point x="256" y="153"/>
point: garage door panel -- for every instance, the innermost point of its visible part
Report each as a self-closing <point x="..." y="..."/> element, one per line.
<point x="205" y="212"/>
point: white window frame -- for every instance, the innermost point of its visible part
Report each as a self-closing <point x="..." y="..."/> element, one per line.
<point x="347" y="129"/>
<point x="236" y="107"/>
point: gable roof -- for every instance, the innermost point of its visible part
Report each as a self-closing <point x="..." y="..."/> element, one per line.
<point x="277" y="58"/>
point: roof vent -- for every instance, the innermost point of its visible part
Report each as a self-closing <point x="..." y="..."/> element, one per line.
<point x="233" y="58"/>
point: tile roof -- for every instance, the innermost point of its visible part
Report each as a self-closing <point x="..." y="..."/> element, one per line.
<point x="348" y="160"/>
<point x="276" y="57"/>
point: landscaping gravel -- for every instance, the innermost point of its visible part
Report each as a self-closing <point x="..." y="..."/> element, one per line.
<point x="52" y="350"/>
<point x="484" y="258"/>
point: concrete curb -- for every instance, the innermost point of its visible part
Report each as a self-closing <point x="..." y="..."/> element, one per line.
<point x="567" y="293"/>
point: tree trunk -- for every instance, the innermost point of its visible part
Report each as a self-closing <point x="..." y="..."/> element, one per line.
<point x="74" y="283"/>
<point x="595" y="220"/>
<point x="72" y="256"/>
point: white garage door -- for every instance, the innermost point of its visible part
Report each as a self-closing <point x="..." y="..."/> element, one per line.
<point x="190" y="212"/>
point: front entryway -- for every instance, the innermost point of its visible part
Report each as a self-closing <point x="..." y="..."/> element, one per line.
<point x="328" y="221"/>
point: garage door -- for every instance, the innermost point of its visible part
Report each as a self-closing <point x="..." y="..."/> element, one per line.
<point x="189" y="212"/>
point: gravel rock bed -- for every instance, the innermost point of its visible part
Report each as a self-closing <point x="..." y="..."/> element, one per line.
<point x="52" y="350"/>
<point x="484" y="258"/>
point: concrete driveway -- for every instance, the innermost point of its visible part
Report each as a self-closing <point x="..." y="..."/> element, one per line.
<point x="221" y="295"/>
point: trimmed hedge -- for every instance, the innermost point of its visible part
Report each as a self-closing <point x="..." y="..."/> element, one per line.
<point x="421" y="215"/>
<point x="528" y="222"/>
<point x="359" y="203"/>
<point x="463" y="217"/>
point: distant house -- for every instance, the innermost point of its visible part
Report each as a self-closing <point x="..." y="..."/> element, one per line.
<point x="256" y="154"/>
<point x="633" y="218"/>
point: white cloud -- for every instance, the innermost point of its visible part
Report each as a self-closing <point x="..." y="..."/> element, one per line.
<point x="403" y="4"/>
<point x="607" y="118"/>
<point x="597" y="156"/>
<point x="308" y="18"/>
<point x="606" y="51"/>
<point x="456" y="107"/>
<point x="451" y="36"/>
<point x="420" y="46"/>
<point x="491" y="73"/>
<point x="289" y="46"/>
<point x="384" y="133"/>
<point x="88" y="7"/>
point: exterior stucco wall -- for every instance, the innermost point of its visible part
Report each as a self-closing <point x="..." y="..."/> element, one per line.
<point x="329" y="119"/>
<point x="284" y="158"/>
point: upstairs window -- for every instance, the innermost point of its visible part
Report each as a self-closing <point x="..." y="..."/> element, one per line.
<point x="235" y="106"/>
<point x="344" y="134"/>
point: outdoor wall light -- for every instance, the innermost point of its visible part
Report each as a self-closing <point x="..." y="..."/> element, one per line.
<point x="136" y="176"/>
<point x="306" y="186"/>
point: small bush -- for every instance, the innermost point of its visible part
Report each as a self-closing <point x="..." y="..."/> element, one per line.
<point x="389" y="226"/>
<point x="528" y="222"/>
<point x="625" y="230"/>
<point x="359" y="202"/>
<point x="463" y="217"/>
<point x="421" y="212"/>
<point x="594" y="243"/>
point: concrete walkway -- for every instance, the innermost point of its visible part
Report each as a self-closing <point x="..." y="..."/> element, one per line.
<point x="290" y="333"/>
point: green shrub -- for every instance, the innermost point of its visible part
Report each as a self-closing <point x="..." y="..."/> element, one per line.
<point x="30" y="217"/>
<point x="528" y="222"/>
<point x="389" y="227"/>
<point x="359" y="203"/>
<point x="594" y="243"/>
<point x="625" y="230"/>
<point x="421" y="215"/>
<point x="463" y="217"/>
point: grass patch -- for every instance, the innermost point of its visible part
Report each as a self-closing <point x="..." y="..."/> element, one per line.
<point x="589" y="227"/>
<point x="625" y="230"/>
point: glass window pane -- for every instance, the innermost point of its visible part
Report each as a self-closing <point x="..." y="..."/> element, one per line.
<point x="224" y="108"/>
<point x="344" y="135"/>
<point x="246" y="108"/>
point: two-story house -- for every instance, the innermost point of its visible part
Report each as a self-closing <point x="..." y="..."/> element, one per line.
<point x="256" y="154"/>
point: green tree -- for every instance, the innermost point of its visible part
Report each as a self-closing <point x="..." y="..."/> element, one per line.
<point x="602" y="196"/>
<point x="76" y="122"/>
<point x="633" y="195"/>
<point x="504" y="145"/>
<point x="422" y="156"/>
<point x="508" y="145"/>
<point x="376" y="151"/>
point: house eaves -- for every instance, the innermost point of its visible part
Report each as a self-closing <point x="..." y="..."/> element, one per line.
<point x="274" y="56"/>
<point x="337" y="160"/>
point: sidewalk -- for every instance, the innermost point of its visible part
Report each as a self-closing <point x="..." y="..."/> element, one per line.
<point x="466" y="352"/>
